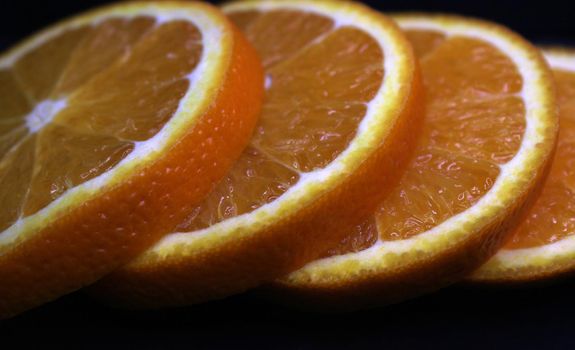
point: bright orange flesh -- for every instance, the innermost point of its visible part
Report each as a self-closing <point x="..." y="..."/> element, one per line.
<point x="121" y="80"/>
<point x="320" y="82"/>
<point x="553" y="215"/>
<point x="474" y="123"/>
<point x="317" y="94"/>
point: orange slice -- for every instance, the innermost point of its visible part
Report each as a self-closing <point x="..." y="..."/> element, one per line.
<point x="543" y="246"/>
<point x="336" y="127"/>
<point x="490" y="130"/>
<point x="112" y="125"/>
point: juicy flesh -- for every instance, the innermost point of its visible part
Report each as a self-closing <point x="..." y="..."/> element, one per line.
<point x="474" y="123"/>
<point x="73" y="107"/>
<point x="319" y="81"/>
<point x="553" y="215"/>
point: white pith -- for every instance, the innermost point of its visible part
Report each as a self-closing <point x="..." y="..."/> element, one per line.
<point x="202" y="83"/>
<point x="514" y="263"/>
<point x="372" y="129"/>
<point x="43" y="114"/>
<point x="560" y="60"/>
<point x="384" y="257"/>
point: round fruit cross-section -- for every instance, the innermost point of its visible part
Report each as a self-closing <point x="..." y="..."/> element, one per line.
<point x="489" y="134"/>
<point x="543" y="246"/>
<point x="338" y="123"/>
<point x="112" y="124"/>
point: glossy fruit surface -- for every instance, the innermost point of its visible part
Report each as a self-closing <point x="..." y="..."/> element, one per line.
<point x="488" y="138"/>
<point x="112" y="123"/>
<point x="338" y="123"/>
<point x="542" y="247"/>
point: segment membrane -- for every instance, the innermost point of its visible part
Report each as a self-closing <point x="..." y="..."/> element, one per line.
<point x="278" y="35"/>
<point x="254" y="181"/>
<point x="13" y="101"/>
<point x="468" y="68"/>
<point x="65" y="159"/>
<point x="244" y="20"/>
<point x="12" y="138"/>
<point x="108" y="42"/>
<point x="100" y="109"/>
<point x="320" y="82"/>
<point x="424" y="42"/>
<point x="136" y="96"/>
<point x="117" y="81"/>
<point x="318" y="98"/>
<point x="39" y="70"/>
<point x="15" y="175"/>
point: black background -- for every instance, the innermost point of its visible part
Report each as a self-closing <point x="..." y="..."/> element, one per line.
<point x="457" y="317"/>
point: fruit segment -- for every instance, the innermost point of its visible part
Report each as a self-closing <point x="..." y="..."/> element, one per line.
<point x="15" y="176"/>
<point x="254" y="181"/>
<point x="39" y="70"/>
<point x="318" y="97"/>
<point x="362" y="237"/>
<point x="101" y="47"/>
<point x="437" y="185"/>
<point x="147" y="85"/>
<point x="272" y="33"/>
<point x="15" y="103"/>
<point x="424" y="41"/>
<point x="69" y="119"/>
<point x="489" y="129"/>
<point x="77" y="159"/>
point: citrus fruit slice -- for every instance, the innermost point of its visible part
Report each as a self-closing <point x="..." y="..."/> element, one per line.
<point x="112" y="124"/>
<point x="342" y="87"/>
<point x="543" y="246"/>
<point x="490" y="129"/>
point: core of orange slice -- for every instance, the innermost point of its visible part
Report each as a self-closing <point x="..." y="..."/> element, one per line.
<point x="112" y="125"/>
<point x="543" y="246"/>
<point x="490" y="130"/>
<point x="338" y="123"/>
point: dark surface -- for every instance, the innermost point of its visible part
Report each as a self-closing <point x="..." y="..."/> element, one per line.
<point x="454" y="318"/>
<point x="548" y="21"/>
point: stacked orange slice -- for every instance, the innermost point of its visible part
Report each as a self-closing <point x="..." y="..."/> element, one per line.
<point x="390" y="158"/>
<point x="112" y="125"/>
<point x="543" y="247"/>
<point x="490" y="132"/>
<point x="338" y="122"/>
